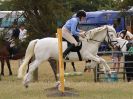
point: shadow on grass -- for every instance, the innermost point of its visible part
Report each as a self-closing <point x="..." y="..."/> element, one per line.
<point x="54" y="92"/>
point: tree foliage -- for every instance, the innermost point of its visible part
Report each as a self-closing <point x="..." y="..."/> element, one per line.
<point x="126" y="4"/>
<point x="92" y="5"/>
<point x="6" y="5"/>
<point x="42" y="16"/>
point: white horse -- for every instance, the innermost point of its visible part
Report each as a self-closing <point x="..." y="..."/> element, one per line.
<point x="46" y="48"/>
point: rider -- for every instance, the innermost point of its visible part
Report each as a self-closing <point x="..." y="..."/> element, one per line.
<point x="70" y="32"/>
<point x="18" y="35"/>
<point x="13" y="39"/>
<point x="15" y="32"/>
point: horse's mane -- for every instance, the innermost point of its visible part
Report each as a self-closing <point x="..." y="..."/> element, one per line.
<point x="92" y="32"/>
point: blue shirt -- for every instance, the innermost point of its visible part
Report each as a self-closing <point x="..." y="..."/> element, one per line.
<point x="71" y="25"/>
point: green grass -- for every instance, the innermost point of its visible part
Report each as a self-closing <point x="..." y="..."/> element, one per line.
<point x="12" y="88"/>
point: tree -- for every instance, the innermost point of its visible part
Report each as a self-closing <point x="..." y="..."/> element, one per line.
<point x="108" y="4"/>
<point x="126" y="4"/>
<point x="5" y="5"/>
<point x="92" y="5"/>
<point x="87" y="5"/>
<point x="42" y="16"/>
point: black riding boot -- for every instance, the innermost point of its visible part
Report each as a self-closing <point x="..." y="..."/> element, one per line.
<point x="67" y="51"/>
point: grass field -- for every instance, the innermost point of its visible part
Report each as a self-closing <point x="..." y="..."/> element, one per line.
<point x="12" y="88"/>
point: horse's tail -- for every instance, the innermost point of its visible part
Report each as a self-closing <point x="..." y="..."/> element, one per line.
<point x="28" y="55"/>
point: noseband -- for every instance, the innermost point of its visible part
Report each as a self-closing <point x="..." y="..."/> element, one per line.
<point x="115" y="42"/>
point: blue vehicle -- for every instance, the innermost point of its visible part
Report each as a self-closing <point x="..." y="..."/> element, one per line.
<point x="99" y="18"/>
<point x="7" y="18"/>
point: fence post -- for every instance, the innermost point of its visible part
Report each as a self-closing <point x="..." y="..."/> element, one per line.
<point x="124" y="71"/>
<point x="61" y="67"/>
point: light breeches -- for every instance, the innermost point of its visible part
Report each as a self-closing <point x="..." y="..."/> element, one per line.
<point x="66" y="34"/>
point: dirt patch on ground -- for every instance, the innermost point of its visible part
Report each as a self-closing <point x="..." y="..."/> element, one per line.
<point x="54" y="92"/>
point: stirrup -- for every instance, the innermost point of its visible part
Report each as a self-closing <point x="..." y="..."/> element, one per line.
<point x="66" y="57"/>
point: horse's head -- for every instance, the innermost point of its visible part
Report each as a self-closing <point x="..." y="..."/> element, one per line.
<point x="100" y="34"/>
<point x="119" y="42"/>
<point x="106" y="33"/>
<point x="110" y="34"/>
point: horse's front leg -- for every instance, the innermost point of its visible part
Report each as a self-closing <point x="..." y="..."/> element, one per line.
<point x="2" y="66"/>
<point x="99" y="60"/>
<point x="92" y="64"/>
<point x="9" y="66"/>
<point x="104" y="63"/>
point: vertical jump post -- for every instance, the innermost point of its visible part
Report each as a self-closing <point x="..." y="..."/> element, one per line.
<point x="61" y="67"/>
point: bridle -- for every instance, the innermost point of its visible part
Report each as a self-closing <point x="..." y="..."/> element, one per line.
<point x="113" y="43"/>
<point x="109" y="41"/>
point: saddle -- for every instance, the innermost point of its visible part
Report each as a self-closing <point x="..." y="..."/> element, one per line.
<point x="77" y="48"/>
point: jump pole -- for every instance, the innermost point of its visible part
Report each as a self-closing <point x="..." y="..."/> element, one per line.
<point x="61" y="65"/>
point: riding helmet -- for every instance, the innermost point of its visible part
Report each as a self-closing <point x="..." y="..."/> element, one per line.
<point x="81" y="13"/>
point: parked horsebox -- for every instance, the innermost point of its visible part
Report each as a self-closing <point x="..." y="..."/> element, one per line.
<point x="122" y="20"/>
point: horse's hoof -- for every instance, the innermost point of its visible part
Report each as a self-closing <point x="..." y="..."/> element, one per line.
<point x="26" y="81"/>
<point x="26" y="86"/>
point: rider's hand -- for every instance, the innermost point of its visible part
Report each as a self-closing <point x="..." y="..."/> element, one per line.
<point x="82" y="34"/>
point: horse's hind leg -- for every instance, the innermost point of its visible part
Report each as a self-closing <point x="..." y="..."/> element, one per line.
<point x="74" y="69"/>
<point x="9" y="66"/>
<point x="32" y="67"/>
<point x="54" y="67"/>
<point x="2" y="66"/>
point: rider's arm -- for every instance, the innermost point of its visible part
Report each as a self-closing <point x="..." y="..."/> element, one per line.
<point x="74" y="30"/>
